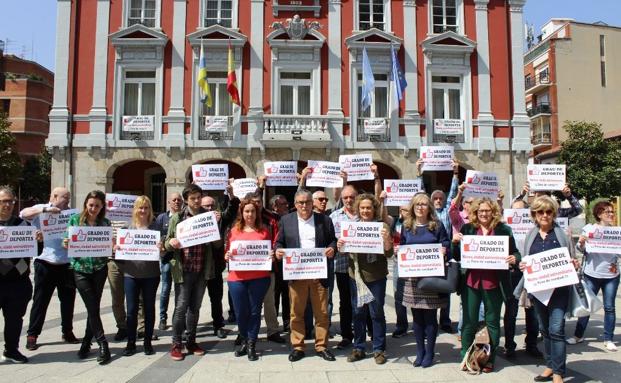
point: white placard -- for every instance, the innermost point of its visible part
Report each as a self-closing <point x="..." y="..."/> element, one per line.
<point x="603" y="239"/>
<point x="250" y="256"/>
<point x="90" y="241"/>
<point x="119" y="207"/>
<point x="375" y="125"/>
<point x="448" y="127"/>
<point x="480" y="184"/>
<point x="521" y="222"/>
<point x="304" y="264"/>
<point x="546" y="177"/>
<point x="281" y="173"/>
<point x="211" y="176"/>
<point x="243" y="186"/>
<point x="325" y="174"/>
<point x="138" y="123"/>
<point x="216" y="124"/>
<point x="357" y="166"/>
<point x="54" y="225"/>
<point x="548" y="270"/>
<point x="437" y="158"/>
<point x="362" y="237"/>
<point x="202" y="228"/>
<point x="137" y="245"/>
<point x="420" y="261"/>
<point x="485" y="252"/>
<point x="18" y="242"/>
<point x="400" y="192"/>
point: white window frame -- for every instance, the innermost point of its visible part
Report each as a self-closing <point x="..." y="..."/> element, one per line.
<point x="234" y="13"/>
<point x="296" y="83"/>
<point x="459" y="5"/>
<point x="140" y="81"/>
<point x="379" y="83"/>
<point x="446" y="87"/>
<point x="314" y="67"/>
<point x="214" y="83"/>
<point x="158" y="13"/>
<point x="387" y="15"/>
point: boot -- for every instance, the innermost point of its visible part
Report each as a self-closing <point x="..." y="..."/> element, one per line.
<point x="85" y="348"/>
<point x="419" y="334"/>
<point x="104" y="352"/>
<point x="243" y="349"/>
<point x="130" y="349"/>
<point x="430" y="345"/>
<point x="252" y="351"/>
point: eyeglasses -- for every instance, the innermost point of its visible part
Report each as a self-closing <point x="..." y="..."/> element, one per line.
<point x="7" y="201"/>
<point x="306" y="202"/>
<point x="321" y="199"/>
<point x="546" y="212"/>
<point x="484" y="211"/>
<point x="420" y="205"/>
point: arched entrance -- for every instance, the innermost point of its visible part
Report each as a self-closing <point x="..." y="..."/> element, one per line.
<point x="142" y="177"/>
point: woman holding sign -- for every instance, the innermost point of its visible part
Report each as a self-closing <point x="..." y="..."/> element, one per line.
<point x="248" y="287"/>
<point x="90" y="275"/>
<point x="422" y="226"/>
<point x="490" y="286"/>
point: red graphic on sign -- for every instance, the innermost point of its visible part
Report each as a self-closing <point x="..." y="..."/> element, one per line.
<point x="516" y="218"/>
<point x="533" y="172"/>
<point x="472" y="246"/>
<point x="474" y="180"/>
<point x="533" y="266"/>
<point x="50" y="221"/>
<point x="127" y="240"/>
<point x="202" y="172"/>
<point x="241" y="250"/>
<point x="393" y="188"/>
<point x="408" y="255"/>
<point x="292" y="258"/>
<point x="114" y="203"/>
<point x="272" y="169"/>
<point x="349" y="232"/>
<point x="3" y="236"/>
<point x="428" y="154"/>
<point x="596" y="234"/>
<point x="78" y="237"/>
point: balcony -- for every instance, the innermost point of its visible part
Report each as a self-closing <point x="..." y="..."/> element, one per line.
<point x="538" y="82"/>
<point x="216" y="128"/>
<point x="288" y="130"/>
<point x="363" y="136"/>
<point x="542" y="109"/>
<point x="540" y="136"/>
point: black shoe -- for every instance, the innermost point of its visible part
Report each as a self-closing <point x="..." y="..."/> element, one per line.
<point x="220" y="333"/>
<point x="276" y="338"/>
<point x="286" y="327"/>
<point x="104" y="353"/>
<point x="343" y="344"/>
<point x="448" y="329"/>
<point x="69" y="337"/>
<point x="130" y="349"/>
<point x="14" y="356"/>
<point x="31" y="343"/>
<point x="509" y="353"/>
<point x="296" y="355"/>
<point x="541" y="378"/>
<point x="148" y="348"/>
<point x="162" y="326"/>
<point x="534" y="352"/>
<point x="399" y="333"/>
<point x="252" y="351"/>
<point x="243" y="350"/>
<point x="84" y="349"/>
<point x="121" y="334"/>
<point x="326" y="355"/>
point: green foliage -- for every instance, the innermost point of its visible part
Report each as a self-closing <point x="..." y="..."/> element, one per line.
<point x="10" y="164"/>
<point x="593" y="164"/>
<point x="35" y="183"/>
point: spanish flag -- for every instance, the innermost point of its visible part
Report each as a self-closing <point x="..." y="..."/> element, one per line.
<point x="231" y="81"/>
<point x="203" y="86"/>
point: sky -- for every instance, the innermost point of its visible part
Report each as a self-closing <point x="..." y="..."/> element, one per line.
<point x="30" y="25"/>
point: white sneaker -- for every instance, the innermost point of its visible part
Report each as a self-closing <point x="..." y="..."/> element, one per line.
<point x="574" y="340"/>
<point x="610" y="346"/>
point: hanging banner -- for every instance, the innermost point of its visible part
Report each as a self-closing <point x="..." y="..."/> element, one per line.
<point x="357" y="166"/>
<point x="480" y="184"/>
<point x="548" y="270"/>
<point x="400" y="192"/>
<point x="376" y="126"/>
<point x="202" y="228"/>
<point x="90" y="241"/>
<point x="485" y="252"/>
<point x="437" y="158"/>
<point x="281" y="173"/>
<point x="119" y="207"/>
<point x="362" y="237"/>
<point x="546" y="177"/>
<point x="420" y="261"/>
<point x="243" y="186"/>
<point x="137" y="245"/>
<point x="304" y="264"/>
<point x="448" y="127"/>
<point x="18" y="242"/>
<point x="603" y="239"/>
<point x="211" y="176"/>
<point x="216" y="124"/>
<point x="324" y="174"/>
<point x="138" y="124"/>
<point x="54" y="225"/>
<point x="250" y="256"/>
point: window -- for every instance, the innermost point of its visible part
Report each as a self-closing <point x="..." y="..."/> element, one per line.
<point x="295" y="93"/>
<point x="379" y="104"/>
<point x="221" y="104"/>
<point x="602" y="59"/>
<point x="5" y="106"/>
<point x="444" y="16"/>
<point x="142" y="12"/>
<point x="219" y="12"/>
<point x="371" y="14"/>
<point x="446" y="96"/>
<point x="139" y="94"/>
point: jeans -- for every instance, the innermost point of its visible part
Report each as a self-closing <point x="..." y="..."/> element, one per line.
<point x="609" y="288"/>
<point x="471" y="302"/>
<point x="134" y="288"/>
<point x="247" y="299"/>
<point x="189" y="297"/>
<point x="511" y="311"/>
<point x="345" y="307"/>
<point x="215" y="289"/>
<point x="165" y="293"/>
<point x="90" y="286"/>
<point x="552" y="326"/>
<point x="14" y="298"/>
<point x="47" y="278"/>
<point x="376" y="309"/>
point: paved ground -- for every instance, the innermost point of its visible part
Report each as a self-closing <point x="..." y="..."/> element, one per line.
<point x="56" y="361"/>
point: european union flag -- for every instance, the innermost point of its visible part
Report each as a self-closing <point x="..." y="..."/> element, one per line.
<point x="397" y="75"/>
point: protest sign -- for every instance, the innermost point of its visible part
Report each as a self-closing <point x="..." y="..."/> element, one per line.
<point x="243" y="186"/>
<point x="548" y="270"/>
<point x="304" y="264"/>
<point x="375" y="126"/>
<point x="250" y="255"/>
<point x="357" y="166"/>
<point x="119" y="207"/>
<point x="90" y="241"/>
<point x="480" y="184"/>
<point x="202" y="228"/>
<point x="281" y="173"/>
<point x="362" y="237"/>
<point x="211" y="176"/>
<point x="546" y="177"/>
<point x="400" y="192"/>
<point x="54" y="225"/>
<point x="485" y="252"/>
<point x="137" y="245"/>
<point x="324" y="174"/>
<point x="437" y="158"/>
<point x="18" y="242"/>
<point x="603" y="239"/>
<point x="420" y="260"/>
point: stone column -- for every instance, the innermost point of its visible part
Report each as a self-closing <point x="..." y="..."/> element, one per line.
<point x="519" y="121"/>
<point x="485" y="117"/>
<point x="410" y="46"/>
<point x="176" y="113"/>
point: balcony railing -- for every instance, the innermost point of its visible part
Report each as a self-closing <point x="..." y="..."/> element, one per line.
<point x="542" y="108"/>
<point x="216" y="128"/>
<point x="541" y="136"/>
<point x="539" y="80"/>
<point x="278" y="128"/>
<point x="370" y="137"/>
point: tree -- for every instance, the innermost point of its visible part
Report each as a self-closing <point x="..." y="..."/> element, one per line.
<point x="10" y="164"/>
<point x="35" y="182"/>
<point x="593" y="163"/>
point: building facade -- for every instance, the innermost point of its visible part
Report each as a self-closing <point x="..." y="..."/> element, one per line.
<point x="298" y="66"/>
<point x="572" y="63"/>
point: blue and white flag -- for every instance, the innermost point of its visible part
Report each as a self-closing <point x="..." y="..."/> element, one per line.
<point x="368" y="82"/>
<point x="397" y="75"/>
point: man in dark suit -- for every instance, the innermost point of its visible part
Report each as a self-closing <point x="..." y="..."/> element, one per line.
<point x="305" y="229"/>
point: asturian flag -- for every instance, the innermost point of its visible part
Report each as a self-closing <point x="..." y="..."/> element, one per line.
<point x="203" y="86"/>
<point x="368" y="82"/>
<point x="231" y="81"/>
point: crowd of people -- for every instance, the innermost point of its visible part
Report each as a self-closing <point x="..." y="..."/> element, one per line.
<point x="306" y="305"/>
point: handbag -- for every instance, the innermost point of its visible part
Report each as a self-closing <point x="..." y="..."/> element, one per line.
<point x="443" y="285"/>
<point x="582" y="301"/>
<point x="478" y="353"/>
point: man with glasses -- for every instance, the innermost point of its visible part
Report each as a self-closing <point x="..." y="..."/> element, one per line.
<point x="320" y="202"/>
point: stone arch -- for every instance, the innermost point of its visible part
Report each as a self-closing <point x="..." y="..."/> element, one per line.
<point x="137" y="177"/>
